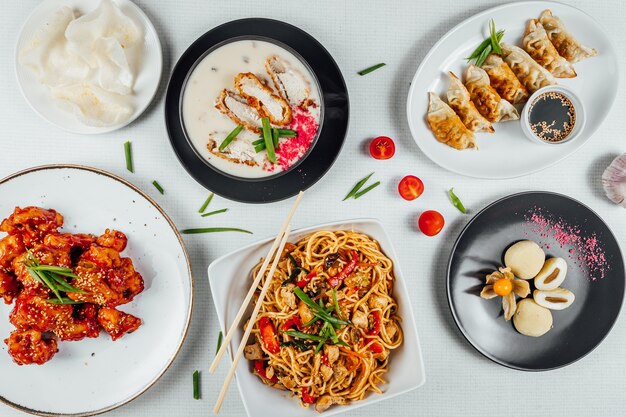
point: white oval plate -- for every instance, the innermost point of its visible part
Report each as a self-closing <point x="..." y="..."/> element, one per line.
<point x="508" y="153"/>
<point x="228" y="276"/>
<point x="146" y="82"/>
<point x="96" y="375"/>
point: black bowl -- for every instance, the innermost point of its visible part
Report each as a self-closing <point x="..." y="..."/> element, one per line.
<point x="576" y="330"/>
<point x="334" y="120"/>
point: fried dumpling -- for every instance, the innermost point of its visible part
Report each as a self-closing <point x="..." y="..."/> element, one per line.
<point x="446" y="125"/>
<point x="532" y="75"/>
<point x="488" y="102"/>
<point x="539" y="47"/>
<point x="564" y="42"/>
<point x="504" y="81"/>
<point x="460" y="101"/>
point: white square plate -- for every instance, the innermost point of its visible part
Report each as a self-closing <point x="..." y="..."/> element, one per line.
<point x="230" y="280"/>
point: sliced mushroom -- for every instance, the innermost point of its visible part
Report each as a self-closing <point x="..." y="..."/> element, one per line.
<point x="557" y="299"/>
<point x="551" y="275"/>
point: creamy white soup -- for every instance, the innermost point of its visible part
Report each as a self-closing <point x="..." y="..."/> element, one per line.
<point x="239" y="84"/>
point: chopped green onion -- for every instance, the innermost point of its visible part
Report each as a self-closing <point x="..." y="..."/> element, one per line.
<point x="368" y="189"/>
<point x="63" y="301"/>
<point x="269" y="142"/>
<point x="275" y="138"/>
<point x="483" y="56"/>
<point x="298" y="343"/>
<point x="158" y="186"/>
<point x="259" y="148"/>
<point x="357" y="187"/>
<point x="206" y="203"/>
<point x="495" y="45"/>
<point x="330" y="319"/>
<point x="336" y="303"/>
<point x="213" y="230"/>
<point x="232" y="135"/>
<point x="129" y="156"/>
<point x="292" y="276"/>
<point x="196" y="385"/>
<point x="259" y="142"/>
<point x="293" y="261"/>
<point x="214" y="212"/>
<point x="219" y="341"/>
<point x="456" y="201"/>
<point x="372" y="68"/>
<point x="305" y="336"/>
<point x="287" y="133"/>
<point x="479" y="50"/>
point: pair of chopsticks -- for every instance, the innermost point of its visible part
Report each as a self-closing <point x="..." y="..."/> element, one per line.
<point x="279" y="243"/>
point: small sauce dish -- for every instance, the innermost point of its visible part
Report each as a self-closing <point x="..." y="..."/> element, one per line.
<point x="554" y="115"/>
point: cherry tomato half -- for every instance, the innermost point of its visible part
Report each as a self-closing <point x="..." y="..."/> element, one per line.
<point x="431" y="222"/>
<point x="410" y="187"/>
<point x="382" y="147"/>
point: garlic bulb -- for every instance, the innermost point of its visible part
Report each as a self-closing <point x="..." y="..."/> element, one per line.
<point x="614" y="180"/>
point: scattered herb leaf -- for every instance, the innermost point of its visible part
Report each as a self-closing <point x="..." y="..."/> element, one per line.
<point x="213" y="230"/>
<point x="214" y="212"/>
<point x="206" y="203"/>
<point x="158" y="186"/>
<point x="196" y="385"/>
<point x="456" y="202"/>
<point x="219" y="341"/>
<point x="128" y="152"/>
<point x="368" y="189"/>
<point x="357" y="187"/>
<point x="371" y="69"/>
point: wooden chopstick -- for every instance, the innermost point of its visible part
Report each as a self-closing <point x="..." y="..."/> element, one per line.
<point x="252" y="320"/>
<point x="255" y="284"/>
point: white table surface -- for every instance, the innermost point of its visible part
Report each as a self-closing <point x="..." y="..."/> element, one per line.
<point x="459" y="381"/>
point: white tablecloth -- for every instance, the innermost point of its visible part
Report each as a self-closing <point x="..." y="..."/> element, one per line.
<point x="358" y="34"/>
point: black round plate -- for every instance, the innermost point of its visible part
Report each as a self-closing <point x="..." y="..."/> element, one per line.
<point x="576" y="330"/>
<point x="334" y="120"/>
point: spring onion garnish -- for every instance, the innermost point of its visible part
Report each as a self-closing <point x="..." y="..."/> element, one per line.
<point x="489" y="45"/>
<point x="336" y="303"/>
<point x="63" y="301"/>
<point x="305" y="336"/>
<point x="214" y="212"/>
<point x="129" y="156"/>
<point x="219" y="341"/>
<point x="232" y="135"/>
<point x="275" y="138"/>
<point x="368" y="189"/>
<point x="52" y="277"/>
<point x="372" y="68"/>
<point x="357" y="187"/>
<point x="269" y="142"/>
<point x="158" y="186"/>
<point x="196" y="385"/>
<point x="206" y="203"/>
<point x="456" y="202"/>
<point x="213" y="230"/>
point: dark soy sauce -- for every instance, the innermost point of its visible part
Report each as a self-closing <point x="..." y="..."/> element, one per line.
<point x="552" y="116"/>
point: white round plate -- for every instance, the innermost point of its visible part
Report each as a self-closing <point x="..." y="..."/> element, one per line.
<point x="92" y="376"/>
<point x="508" y="153"/>
<point x="146" y="82"/>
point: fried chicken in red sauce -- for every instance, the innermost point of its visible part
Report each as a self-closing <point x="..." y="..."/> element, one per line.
<point x="105" y="278"/>
<point x="89" y="264"/>
<point x="117" y="323"/>
<point x="28" y="346"/>
<point x="32" y="224"/>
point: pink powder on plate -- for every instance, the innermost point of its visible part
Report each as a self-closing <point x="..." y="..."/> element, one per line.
<point x="584" y="250"/>
<point x="290" y="150"/>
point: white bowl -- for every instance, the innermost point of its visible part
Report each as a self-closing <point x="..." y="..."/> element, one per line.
<point x="579" y="125"/>
<point x="229" y="277"/>
<point x="146" y="81"/>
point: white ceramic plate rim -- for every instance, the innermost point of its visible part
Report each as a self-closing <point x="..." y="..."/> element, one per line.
<point x="183" y="335"/>
<point x="400" y="283"/>
<point x="94" y="130"/>
<point x="426" y="61"/>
